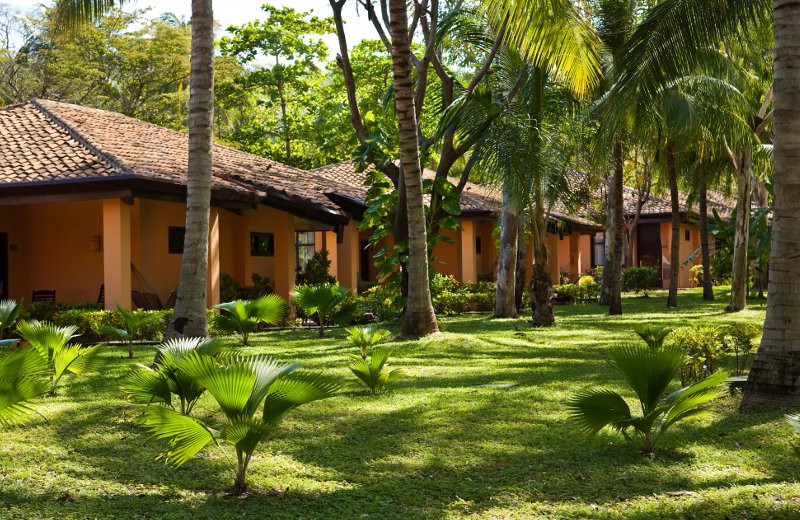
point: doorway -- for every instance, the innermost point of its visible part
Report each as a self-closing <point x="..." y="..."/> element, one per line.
<point x="648" y="238"/>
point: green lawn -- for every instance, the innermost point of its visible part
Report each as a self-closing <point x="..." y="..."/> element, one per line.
<point x="438" y="444"/>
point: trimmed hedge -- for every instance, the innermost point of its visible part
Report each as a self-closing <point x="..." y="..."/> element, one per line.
<point x="87" y="322"/>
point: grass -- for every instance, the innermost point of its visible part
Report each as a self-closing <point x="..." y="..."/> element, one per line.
<point x="437" y="444"/>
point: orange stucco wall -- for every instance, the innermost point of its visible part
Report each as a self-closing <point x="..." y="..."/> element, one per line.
<point x="51" y="248"/>
<point x="446" y="256"/>
<point x="686" y="248"/>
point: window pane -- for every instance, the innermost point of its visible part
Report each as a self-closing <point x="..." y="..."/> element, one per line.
<point x="304" y="247"/>
<point x="262" y="244"/>
<point x="175" y="240"/>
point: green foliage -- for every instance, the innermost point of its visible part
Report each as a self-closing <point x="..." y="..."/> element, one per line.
<point x="381" y="302"/>
<point x="252" y="393"/>
<point x="52" y="344"/>
<point x="365" y="338"/>
<point x="586" y="279"/>
<point x="89" y="322"/>
<point x="41" y="311"/>
<point x="329" y="301"/>
<point x="639" y="279"/>
<point x="9" y="313"/>
<point x="702" y="345"/>
<point x="648" y="372"/>
<point x="23" y="376"/>
<point x="696" y="275"/>
<point x="443" y="283"/>
<point x="316" y="270"/>
<point x="737" y="340"/>
<point x="724" y="233"/>
<point x="653" y="335"/>
<point x="134" y="322"/>
<point x="231" y="290"/>
<point x="164" y="382"/>
<point x="245" y="316"/>
<point x="573" y="293"/>
<point x="373" y="372"/>
<point x="451" y="297"/>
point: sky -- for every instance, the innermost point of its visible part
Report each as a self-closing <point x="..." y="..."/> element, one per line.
<point x="236" y="12"/>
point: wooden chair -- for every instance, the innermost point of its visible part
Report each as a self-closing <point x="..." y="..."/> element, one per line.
<point x="101" y="298"/>
<point x="44" y="296"/>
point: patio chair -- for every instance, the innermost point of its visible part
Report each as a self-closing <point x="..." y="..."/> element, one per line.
<point x="44" y="296"/>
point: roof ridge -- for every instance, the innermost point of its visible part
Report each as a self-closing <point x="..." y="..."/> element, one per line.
<point x="110" y="158"/>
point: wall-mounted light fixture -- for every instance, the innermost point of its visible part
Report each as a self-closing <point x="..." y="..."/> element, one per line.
<point x="95" y="244"/>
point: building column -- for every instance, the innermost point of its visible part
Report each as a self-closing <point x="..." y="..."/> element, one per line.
<point x="575" y="253"/>
<point x="285" y="257"/>
<point x="329" y="244"/>
<point x="349" y="258"/>
<point x="212" y="291"/>
<point x="555" y="264"/>
<point x="117" y="253"/>
<point x="469" y="260"/>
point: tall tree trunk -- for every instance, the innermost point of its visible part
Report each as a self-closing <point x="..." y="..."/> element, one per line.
<point x="507" y="263"/>
<point x="705" y="249"/>
<point x="522" y="263"/>
<point x="605" y="283"/>
<point x="419" y="318"/>
<point x="775" y="375"/>
<point x="740" y="246"/>
<point x="675" y="246"/>
<point x="615" y="280"/>
<point x="189" y="317"/>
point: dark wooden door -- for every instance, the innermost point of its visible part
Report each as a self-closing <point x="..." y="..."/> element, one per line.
<point x="3" y="265"/>
<point x="648" y="238"/>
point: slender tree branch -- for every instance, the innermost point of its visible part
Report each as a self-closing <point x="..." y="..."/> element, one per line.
<point x="476" y="79"/>
<point x="347" y="71"/>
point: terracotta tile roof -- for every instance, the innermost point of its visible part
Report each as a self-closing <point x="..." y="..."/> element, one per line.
<point x="58" y="141"/>
<point x="476" y="199"/>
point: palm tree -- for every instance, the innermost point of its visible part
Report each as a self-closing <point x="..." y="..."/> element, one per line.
<point x="253" y="393"/>
<point x="245" y="316"/>
<point x="419" y="318"/>
<point x="329" y="301"/>
<point x="23" y="376"/>
<point x="189" y="317"/>
<point x="132" y="323"/>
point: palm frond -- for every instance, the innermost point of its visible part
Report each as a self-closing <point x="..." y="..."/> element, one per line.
<point x="293" y="390"/>
<point x="22" y="378"/>
<point x="186" y="436"/>
<point x="593" y="410"/>
<point x="231" y="385"/>
<point x="648" y="371"/>
<point x="146" y="385"/>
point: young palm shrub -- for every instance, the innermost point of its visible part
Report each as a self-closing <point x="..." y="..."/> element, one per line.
<point x="52" y="344"/>
<point x="244" y="316"/>
<point x="133" y="323"/>
<point x="373" y="372"/>
<point x="329" y="301"/>
<point x="653" y="335"/>
<point x="164" y="383"/>
<point x="23" y="376"/>
<point x="253" y="393"/>
<point x="649" y="372"/>
<point x="365" y="338"/>
<point x="9" y="313"/>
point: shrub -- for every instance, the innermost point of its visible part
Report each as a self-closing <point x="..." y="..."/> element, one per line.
<point x="253" y="393"/>
<point x="586" y="280"/>
<point x="52" y="344"/>
<point x="316" y="270"/>
<point x="329" y="301"/>
<point x="88" y="323"/>
<point x="653" y="335"/>
<point x="443" y="283"/>
<point x="649" y="372"/>
<point x="373" y="372"/>
<point x="639" y="279"/>
<point x="696" y="275"/>
<point x="41" y="311"/>
<point x="383" y="303"/>
<point x="737" y="339"/>
<point x="245" y="316"/>
<point x="133" y="322"/>
<point x="573" y="293"/>
<point x="597" y="273"/>
<point x="702" y="346"/>
<point x="231" y="290"/>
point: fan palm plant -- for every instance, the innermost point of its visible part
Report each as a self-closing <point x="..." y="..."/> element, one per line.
<point x="373" y="372"/>
<point x="365" y="338"/>
<point x="653" y="335"/>
<point x="164" y="382"/>
<point x="52" y="343"/>
<point x="329" y="301"/>
<point x="22" y="377"/>
<point x="133" y="323"/>
<point x="244" y="316"/>
<point x="649" y="372"/>
<point x="253" y="393"/>
<point x="9" y="313"/>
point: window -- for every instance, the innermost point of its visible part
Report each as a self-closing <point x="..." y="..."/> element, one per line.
<point x="598" y="249"/>
<point x="687" y="235"/>
<point x="304" y="247"/>
<point x="176" y="235"/>
<point x="477" y="245"/>
<point x="262" y="244"/>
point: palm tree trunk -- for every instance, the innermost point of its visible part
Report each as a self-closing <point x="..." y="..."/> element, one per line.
<point x="541" y="286"/>
<point x="675" y="246"/>
<point x="740" y="246"/>
<point x="522" y="260"/>
<point x="189" y="317"/>
<point x="615" y="279"/>
<point x="419" y="318"/>
<point x="705" y="251"/>
<point x="775" y="375"/>
<point x="605" y="285"/>
<point x="507" y="266"/>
